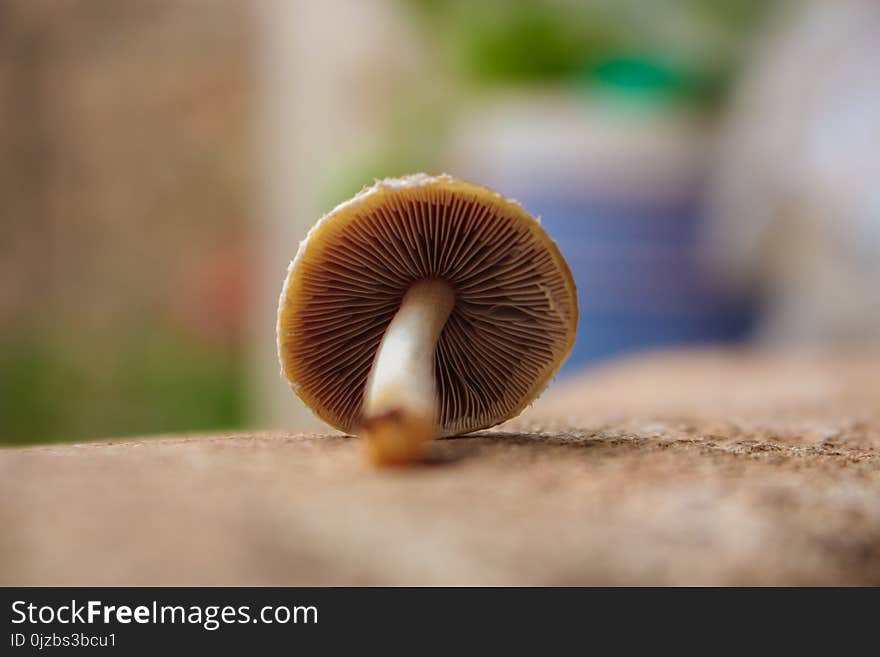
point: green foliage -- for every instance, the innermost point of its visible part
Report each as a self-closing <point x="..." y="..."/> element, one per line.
<point x="523" y="41"/>
<point x="32" y="379"/>
<point x="60" y="388"/>
<point x="527" y="40"/>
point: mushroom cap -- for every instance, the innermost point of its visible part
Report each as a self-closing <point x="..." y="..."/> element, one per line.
<point x="515" y="314"/>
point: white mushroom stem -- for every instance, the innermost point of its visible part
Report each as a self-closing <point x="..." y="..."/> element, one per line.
<point x="400" y="402"/>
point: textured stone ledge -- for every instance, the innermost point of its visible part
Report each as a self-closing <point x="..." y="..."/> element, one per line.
<point x="693" y="468"/>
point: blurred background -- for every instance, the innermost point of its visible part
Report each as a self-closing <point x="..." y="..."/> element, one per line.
<point x="708" y="168"/>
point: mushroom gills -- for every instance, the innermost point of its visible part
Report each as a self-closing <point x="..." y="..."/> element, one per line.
<point x="401" y="408"/>
<point x="382" y="272"/>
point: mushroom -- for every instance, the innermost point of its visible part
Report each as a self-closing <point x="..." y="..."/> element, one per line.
<point x="425" y="306"/>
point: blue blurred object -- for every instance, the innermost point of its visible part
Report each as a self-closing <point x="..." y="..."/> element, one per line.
<point x="639" y="281"/>
<point x="614" y="166"/>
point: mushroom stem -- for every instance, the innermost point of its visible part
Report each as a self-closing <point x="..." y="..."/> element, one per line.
<point x="400" y="402"/>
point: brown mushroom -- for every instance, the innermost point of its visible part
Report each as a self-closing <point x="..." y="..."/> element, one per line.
<point x="424" y="306"/>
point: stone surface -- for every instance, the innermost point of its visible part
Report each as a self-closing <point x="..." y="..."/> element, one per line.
<point x="693" y="468"/>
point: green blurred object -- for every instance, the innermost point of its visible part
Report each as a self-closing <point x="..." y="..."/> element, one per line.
<point x="64" y="388"/>
<point x="529" y="40"/>
<point x="528" y="43"/>
<point x="647" y="81"/>
<point x="643" y="83"/>
<point x="639" y="75"/>
<point x="699" y="42"/>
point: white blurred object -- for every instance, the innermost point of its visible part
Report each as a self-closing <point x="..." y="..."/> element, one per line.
<point x="327" y="74"/>
<point x="796" y="203"/>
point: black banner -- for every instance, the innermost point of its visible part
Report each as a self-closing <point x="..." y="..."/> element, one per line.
<point x="147" y="620"/>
